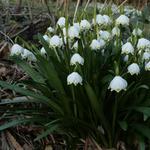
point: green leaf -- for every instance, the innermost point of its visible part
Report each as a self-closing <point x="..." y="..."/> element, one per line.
<point x="29" y="70"/>
<point x="50" y="74"/>
<point x="93" y="99"/>
<point x="144" y="130"/>
<point x="13" y="123"/>
<point x="51" y="129"/>
<point x="38" y="98"/>
<point x="144" y="110"/>
<point x="141" y="143"/>
<point x="123" y="125"/>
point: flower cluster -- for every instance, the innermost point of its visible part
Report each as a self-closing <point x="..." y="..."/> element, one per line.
<point x="24" y="53"/>
<point x="135" y="50"/>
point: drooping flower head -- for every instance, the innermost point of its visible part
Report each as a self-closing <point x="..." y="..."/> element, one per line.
<point x="56" y="41"/>
<point x="127" y="48"/>
<point x="16" y="50"/>
<point x="74" y="78"/>
<point x="147" y="66"/>
<point x="134" y="69"/>
<point x="143" y="43"/>
<point x="85" y="25"/>
<point x="122" y="20"/>
<point x="118" y="84"/>
<point x="61" y="22"/>
<point x="76" y="59"/>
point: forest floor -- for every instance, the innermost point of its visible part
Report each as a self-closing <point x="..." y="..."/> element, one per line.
<point x="26" y="24"/>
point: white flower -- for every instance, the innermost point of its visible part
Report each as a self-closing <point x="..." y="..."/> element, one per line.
<point x="100" y="19"/>
<point x="64" y="31"/>
<point x="61" y="22"/>
<point x="85" y="25"/>
<point x="73" y="32"/>
<point x="118" y="84"/>
<point x="43" y="51"/>
<point x="46" y="38"/>
<point x="74" y="78"/>
<point x="107" y="20"/>
<point x="101" y="43"/>
<point x="50" y="29"/>
<point x="16" y="50"/>
<point x="147" y="66"/>
<point x="115" y="31"/>
<point x="55" y="41"/>
<point x="147" y="50"/>
<point x="126" y="58"/>
<point x="77" y="25"/>
<point x="134" y="69"/>
<point x="146" y="56"/>
<point x="127" y="48"/>
<point x="122" y="20"/>
<point x="95" y="45"/>
<point x="75" y="45"/>
<point x="76" y="59"/>
<point x="28" y="55"/>
<point x="143" y="43"/>
<point x="137" y="32"/>
<point x="105" y="35"/>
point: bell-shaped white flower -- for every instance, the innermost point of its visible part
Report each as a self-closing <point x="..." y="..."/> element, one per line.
<point x="75" y="45"/>
<point x="85" y="25"/>
<point x="76" y="59"/>
<point x="143" y="43"/>
<point x="126" y="58"/>
<point x="77" y="26"/>
<point x="147" y="66"/>
<point x="107" y="20"/>
<point x="118" y="84"/>
<point x="28" y="55"/>
<point x="56" y="41"/>
<point x="46" y="38"/>
<point x="101" y="42"/>
<point x="115" y="31"/>
<point x="122" y="20"/>
<point x="100" y="20"/>
<point x="127" y="48"/>
<point x="105" y="35"/>
<point x="73" y="32"/>
<point x="61" y="22"/>
<point x="16" y="50"/>
<point x="134" y="69"/>
<point x="146" y="56"/>
<point x="137" y="32"/>
<point x="50" y="29"/>
<point x="95" y="45"/>
<point x="43" y="51"/>
<point x="74" y="78"/>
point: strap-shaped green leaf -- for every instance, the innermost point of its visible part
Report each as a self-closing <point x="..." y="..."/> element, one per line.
<point x="29" y="70"/>
<point x="38" y="98"/>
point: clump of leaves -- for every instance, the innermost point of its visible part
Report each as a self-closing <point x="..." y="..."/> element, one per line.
<point x="84" y="83"/>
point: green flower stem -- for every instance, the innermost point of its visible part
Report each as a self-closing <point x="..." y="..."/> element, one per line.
<point x="57" y="55"/>
<point x="114" y="117"/>
<point x="74" y="101"/>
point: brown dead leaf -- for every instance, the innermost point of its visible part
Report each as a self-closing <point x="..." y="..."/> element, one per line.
<point x="48" y="147"/>
<point x="13" y="141"/>
<point x="4" y="50"/>
<point x="3" y="71"/>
